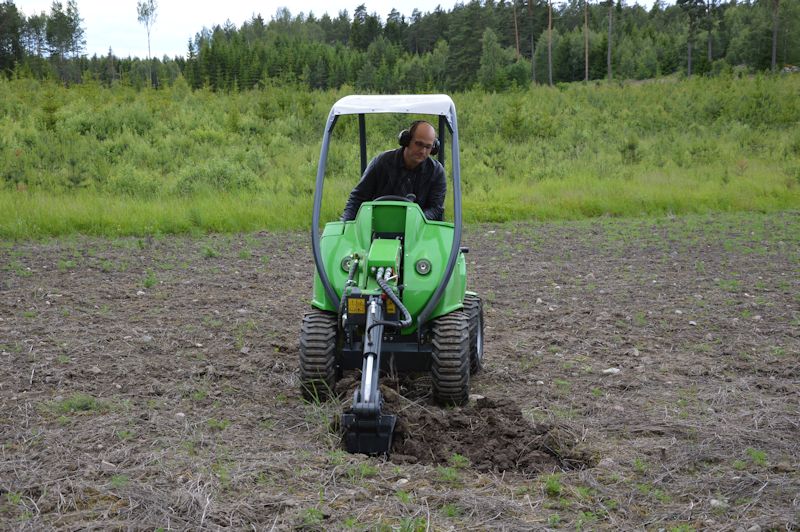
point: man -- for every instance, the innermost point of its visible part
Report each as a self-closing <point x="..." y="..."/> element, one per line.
<point x="406" y="170"/>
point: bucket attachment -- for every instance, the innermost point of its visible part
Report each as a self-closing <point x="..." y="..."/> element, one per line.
<point x="368" y="435"/>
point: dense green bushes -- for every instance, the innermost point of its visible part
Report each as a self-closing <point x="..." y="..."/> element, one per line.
<point x="117" y="160"/>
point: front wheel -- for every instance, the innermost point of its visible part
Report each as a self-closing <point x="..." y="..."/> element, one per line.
<point x="450" y="359"/>
<point x="473" y="306"/>
<point x="318" y="355"/>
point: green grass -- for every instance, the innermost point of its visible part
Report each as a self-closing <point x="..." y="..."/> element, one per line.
<point x="92" y="160"/>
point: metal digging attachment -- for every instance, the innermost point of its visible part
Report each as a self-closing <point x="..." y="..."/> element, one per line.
<point x="366" y="428"/>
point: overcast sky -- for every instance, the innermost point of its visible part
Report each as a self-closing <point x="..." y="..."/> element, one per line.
<point x="112" y="23"/>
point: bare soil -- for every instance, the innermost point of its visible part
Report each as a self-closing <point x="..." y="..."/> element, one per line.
<point x="640" y="374"/>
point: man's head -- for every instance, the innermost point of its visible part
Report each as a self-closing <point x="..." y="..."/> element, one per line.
<point x="421" y="140"/>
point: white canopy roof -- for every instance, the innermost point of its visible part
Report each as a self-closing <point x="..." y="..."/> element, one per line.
<point x="430" y="104"/>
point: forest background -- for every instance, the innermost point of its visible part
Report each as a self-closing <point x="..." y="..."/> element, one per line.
<point x="228" y="138"/>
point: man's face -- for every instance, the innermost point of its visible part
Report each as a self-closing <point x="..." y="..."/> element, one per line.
<point x="420" y="146"/>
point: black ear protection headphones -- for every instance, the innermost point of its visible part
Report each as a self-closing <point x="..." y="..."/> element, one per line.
<point x="405" y="136"/>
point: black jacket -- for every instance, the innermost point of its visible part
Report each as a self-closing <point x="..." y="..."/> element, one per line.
<point x="386" y="175"/>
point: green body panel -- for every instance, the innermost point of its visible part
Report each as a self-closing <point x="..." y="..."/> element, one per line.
<point x="423" y="239"/>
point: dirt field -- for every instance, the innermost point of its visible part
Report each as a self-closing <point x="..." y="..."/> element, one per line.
<point x="639" y="374"/>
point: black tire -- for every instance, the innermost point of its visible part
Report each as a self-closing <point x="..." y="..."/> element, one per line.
<point x="473" y="306"/>
<point x="450" y="359"/>
<point x="318" y="355"/>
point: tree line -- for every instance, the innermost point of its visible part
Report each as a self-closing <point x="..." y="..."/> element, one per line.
<point x="491" y="44"/>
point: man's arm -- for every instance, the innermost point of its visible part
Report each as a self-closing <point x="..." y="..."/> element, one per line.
<point x="363" y="191"/>
<point x="434" y="205"/>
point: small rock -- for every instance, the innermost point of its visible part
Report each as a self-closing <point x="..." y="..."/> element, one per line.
<point x="678" y="312"/>
<point x="611" y="371"/>
<point x="140" y="293"/>
<point x="606" y="463"/>
<point x="718" y="503"/>
<point x="476" y="397"/>
<point x="180" y="416"/>
<point x="757" y="317"/>
<point x="242" y="311"/>
<point x="198" y="345"/>
<point x="754" y="528"/>
<point x="96" y="370"/>
<point x="619" y="408"/>
<point x="692" y="322"/>
<point x="402" y="482"/>
<point x="635" y="352"/>
<point x="107" y="466"/>
<point x="539" y="383"/>
<point x="117" y="386"/>
<point x="147" y="339"/>
<point x="539" y="301"/>
<point x="244" y="350"/>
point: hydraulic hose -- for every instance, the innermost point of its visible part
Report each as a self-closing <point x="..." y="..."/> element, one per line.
<point x="406" y="321"/>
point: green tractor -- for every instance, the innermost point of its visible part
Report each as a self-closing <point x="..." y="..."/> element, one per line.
<point x="390" y="290"/>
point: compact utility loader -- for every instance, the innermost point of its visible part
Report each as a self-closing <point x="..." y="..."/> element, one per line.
<point x="390" y="289"/>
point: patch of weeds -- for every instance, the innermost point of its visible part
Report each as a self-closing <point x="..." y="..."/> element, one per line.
<point x="241" y="332"/>
<point x="29" y="314"/>
<point x="336" y="457"/>
<point x="245" y="253"/>
<point x="411" y="524"/>
<point x="403" y="496"/>
<point x="19" y="269"/>
<point x="448" y="475"/>
<point x="313" y="517"/>
<point x="63" y="359"/>
<point x="597" y="392"/>
<point x="350" y="522"/>
<point x="199" y="394"/>
<point x="552" y="485"/>
<point x="640" y="466"/>
<point x="209" y="252"/>
<point x="119" y="481"/>
<point x="739" y="465"/>
<point x="553" y="520"/>
<point x="759" y="458"/>
<point x="79" y="402"/>
<point x="640" y="319"/>
<point x="451" y="510"/>
<point x="217" y="425"/>
<point x="222" y="472"/>
<point x="778" y="351"/>
<point x="682" y="528"/>
<point x="730" y="285"/>
<point x="585" y="518"/>
<point x="212" y="322"/>
<point x="265" y="260"/>
<point x="562" y="385"/>
<point x="125" y="434"/>
<point x="150" y="279"/>
<point x="458" y="461"/>
<point x="64" y="265"/>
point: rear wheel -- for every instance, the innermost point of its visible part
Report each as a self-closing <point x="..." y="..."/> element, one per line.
<point x="318" y="355"/>
<point x="473" y="306"/>
<point x="450" y="359"/>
